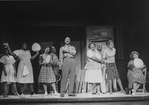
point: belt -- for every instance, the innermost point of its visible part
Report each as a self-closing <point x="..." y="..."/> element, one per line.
<point x="68" y="57"/>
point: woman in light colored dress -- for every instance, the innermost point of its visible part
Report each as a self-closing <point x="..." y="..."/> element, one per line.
<point x="135" y="75"/>
<point x="47" y="75"/>
<point x="8" y="73"/>
<point x="93" y="68"/>
<point x="25" y="70"/>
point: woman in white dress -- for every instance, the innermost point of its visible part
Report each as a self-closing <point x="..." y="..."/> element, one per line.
<point x="25" y="70"/>
<point x="8" y="73"/>
<point x="93" y="68"/>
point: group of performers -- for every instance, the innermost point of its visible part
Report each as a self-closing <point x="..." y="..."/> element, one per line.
<point x="101" y="71"/>
<point x="101" y="64"/>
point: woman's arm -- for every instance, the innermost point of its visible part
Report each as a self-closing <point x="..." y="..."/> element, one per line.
<point x="5" y="73"/>
<point x="7" y="46"/>
<point x="41" y="60"/>
<point x="96" y="59"/>
<point x="34" y="56"/>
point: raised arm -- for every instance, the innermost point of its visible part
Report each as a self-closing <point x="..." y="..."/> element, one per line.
<point x="34" y="56"/>
<point x="7" y="46"/>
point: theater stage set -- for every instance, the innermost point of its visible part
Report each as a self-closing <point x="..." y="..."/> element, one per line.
<point x="116" y="98"/>
<point x="49" y="22"/>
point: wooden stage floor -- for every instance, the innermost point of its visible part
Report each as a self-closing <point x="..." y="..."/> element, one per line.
<point x="116" y="98"/>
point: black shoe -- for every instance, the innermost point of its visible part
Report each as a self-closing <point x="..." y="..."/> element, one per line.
<point x="71" y="94"/>
<point x="62" y="95"/>
<point x="32" y="93"/>
<point x="5" y="95"/>
<point x="93" y="93"/>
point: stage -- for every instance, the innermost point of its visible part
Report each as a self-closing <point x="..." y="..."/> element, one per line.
<point x="116" y="98"/>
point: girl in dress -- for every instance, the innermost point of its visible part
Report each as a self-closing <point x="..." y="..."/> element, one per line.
<point x="135" y="75"/>
<point x="93" y="73"/>
<point x="47" y="75"/>
<point x="25" y="70"/>
<point x="111" y="69"/>
<point x="9" y="73"/>
<point x="55" y="65"/>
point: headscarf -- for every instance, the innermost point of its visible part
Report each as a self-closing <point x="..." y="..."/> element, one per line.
<point x="108" y="42"/>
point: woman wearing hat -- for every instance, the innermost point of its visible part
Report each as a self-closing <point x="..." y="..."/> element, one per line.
<point x="111" y="69"/>
<point x="135" y="75"/>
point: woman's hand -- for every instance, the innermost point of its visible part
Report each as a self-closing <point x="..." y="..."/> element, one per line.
<point x="37" y="52"/>
<point x="6" y="44"/>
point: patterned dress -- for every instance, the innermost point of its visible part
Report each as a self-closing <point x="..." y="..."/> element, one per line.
<point x="8" y="62"/>
<point x="135" y="75"/>
<point x="93" y="69"/>
<point x="25" y="61"/>
<point x="111" y="69"/>
<point x="46" y="73"/>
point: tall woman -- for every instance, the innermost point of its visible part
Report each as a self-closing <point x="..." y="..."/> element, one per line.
<point x="8" y="73"/>
<point x="25" y="70"/>
<point x="47" y="75"/>
<point x="111" y="69"/>
<point x="93" y="68"/>
<point x="135" y="75"/>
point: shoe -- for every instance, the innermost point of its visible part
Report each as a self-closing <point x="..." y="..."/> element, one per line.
<point x="103" y="92"/>
<point x="16" y="94"/>
<point x="5" y="95"/>
<point x="93" y="93"/>
<point x="71" y="94"/>
<point x="62" y="95"/>
<point x="115" y="90"/>
<point x="46" y="93"/>
<point x="32" y="93"/>
<point x="56" y="93"/>
<point x="98" y="93"/>
<point x="123" y="91"/>
<point x="133" y="94"/>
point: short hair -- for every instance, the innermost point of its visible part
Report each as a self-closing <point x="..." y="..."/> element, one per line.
<point x="90" y="45"/>
<point x="132" y="53"/>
